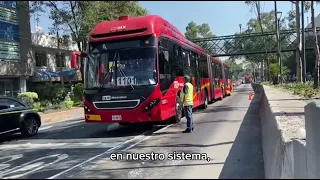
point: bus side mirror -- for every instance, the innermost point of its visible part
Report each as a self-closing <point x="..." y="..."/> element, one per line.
<point x="83" y="54"/>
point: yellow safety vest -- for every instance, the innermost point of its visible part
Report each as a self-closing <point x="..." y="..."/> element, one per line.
<point x="189" y="96"/>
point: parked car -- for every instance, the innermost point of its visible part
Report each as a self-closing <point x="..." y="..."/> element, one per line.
<point x="17" y="116"/>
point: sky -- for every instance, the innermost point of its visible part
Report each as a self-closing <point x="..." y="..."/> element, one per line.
<point x="223" y="17"/>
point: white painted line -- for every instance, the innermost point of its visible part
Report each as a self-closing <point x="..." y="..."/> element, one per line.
<point x="37" y="166"/>
<point x="97" y="145"/>
<point x="44" y="128"/>
<point x="106" y="152"/>
<point x="75" y="122"/>
<point x="147" y="137"/>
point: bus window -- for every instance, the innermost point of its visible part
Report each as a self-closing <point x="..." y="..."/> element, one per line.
<point x="195" y="69"/>
<point x="175" y="62"/>
<point x="164" y="67"/>
<point x="217" y="74"/>
<point x="203" y="67"/>
<point x="186" y="62"/>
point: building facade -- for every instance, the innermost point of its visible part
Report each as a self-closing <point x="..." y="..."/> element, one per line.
<point x="15" y="39"/>
<point x="46" y="60"/>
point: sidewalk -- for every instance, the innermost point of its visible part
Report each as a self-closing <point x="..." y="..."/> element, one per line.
<point x="62" y="115"/>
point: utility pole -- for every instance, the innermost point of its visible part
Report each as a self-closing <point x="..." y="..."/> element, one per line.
<point x="303" y="38"/>
<point x="59" y="58"/>
<point x="278" y="38"/>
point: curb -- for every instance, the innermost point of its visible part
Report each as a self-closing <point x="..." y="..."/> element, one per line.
<point x="68" y="119"/>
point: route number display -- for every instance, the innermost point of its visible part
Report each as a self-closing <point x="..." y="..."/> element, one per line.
<point x="126" y="81"/>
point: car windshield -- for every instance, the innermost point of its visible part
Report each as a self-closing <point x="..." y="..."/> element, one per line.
<point x="121" y="68"/>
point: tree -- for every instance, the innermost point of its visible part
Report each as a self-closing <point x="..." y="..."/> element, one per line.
<point x="194" y="31"/>
<point x="258" y="43"/>
<point x="255" y="6"/>
<point x="77" y="18"/>
<point x="236" y="70"/>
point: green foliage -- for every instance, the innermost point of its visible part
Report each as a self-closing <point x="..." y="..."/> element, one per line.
<point x="98" y="11"/>
<point x="236" y="70"/>
<point x="77" y="18"/>
<point x="28" y="97"/>
<point x="54" y="93"/>
<point x="194" y="31"/>
<point x="67" y="103"/>
<point x="78" y="91"/>
<point x="301" y="89"/>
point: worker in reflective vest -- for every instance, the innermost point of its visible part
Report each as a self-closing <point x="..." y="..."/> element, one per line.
<point x="187" y="99"/>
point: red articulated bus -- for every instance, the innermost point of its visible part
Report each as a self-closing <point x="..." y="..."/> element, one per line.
<point x="134" y="72"/>
<point x="247" y="79"/>
<point x="227" y="80"/>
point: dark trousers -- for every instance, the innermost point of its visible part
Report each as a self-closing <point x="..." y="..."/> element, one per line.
<point x="188" y="113"/>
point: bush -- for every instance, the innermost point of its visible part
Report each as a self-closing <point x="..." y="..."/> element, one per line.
<point x="78" y="91"/>
<point x="54" y="93"/>
<point x="67" y="103"/>
<point x="302" y="89"/>
<point x="28" y="97"/>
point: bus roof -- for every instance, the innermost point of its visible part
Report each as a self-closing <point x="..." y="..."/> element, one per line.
<point x="127" y="27"/>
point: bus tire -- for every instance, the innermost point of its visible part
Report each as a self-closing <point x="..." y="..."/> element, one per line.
<point x="179" y="111"/>
<point x="205" y="101"/>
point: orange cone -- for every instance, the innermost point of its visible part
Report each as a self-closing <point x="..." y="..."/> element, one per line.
<point x="251" y="94"/>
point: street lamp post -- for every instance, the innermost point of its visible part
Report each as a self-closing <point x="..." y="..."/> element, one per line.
<point x="303" y="38"/>
<point x="277" y="23"/>
<point x="240" y="27"/>
<point x="279" y="45"/>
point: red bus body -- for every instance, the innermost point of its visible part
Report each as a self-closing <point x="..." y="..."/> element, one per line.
<point x="247" y="79"/>
<point x="157" y="102"/>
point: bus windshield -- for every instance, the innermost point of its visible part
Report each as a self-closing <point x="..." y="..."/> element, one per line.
<point x="117" y="68"/>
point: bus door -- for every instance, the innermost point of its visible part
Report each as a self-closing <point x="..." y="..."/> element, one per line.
<point x="217" y="78"/>
<point x="194" y="59"/>
<point x="211" y="77"/>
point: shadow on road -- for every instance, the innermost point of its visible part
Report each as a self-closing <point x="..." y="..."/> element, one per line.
<point x="82" y="131"/>
<point x="188" y="145"/>
<point x="245" y="159"/>
<point x="219" y="109"/>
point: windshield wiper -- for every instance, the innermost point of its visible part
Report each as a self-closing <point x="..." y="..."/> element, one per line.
<point x="122" y="72"/>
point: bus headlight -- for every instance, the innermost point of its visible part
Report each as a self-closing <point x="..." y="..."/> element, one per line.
<point x="151" y="105"/>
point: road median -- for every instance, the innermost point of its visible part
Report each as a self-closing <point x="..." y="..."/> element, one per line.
<point x="283" y="132"/>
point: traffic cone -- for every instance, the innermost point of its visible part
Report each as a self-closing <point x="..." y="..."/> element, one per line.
<point x="251" y="94"/>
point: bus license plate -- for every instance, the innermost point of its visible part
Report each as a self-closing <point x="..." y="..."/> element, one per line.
<point x="116" y="117"/>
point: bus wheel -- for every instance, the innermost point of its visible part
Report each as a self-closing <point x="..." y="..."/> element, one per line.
<point x="205" y="103"/>
<point x="179" y="108"/>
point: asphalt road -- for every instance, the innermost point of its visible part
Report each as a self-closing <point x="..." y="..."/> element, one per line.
<point x="226" y="139"/>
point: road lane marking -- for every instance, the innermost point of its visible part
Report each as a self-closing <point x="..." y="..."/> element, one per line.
<point x="97" y="145"/>
<point x="147" y="137"/>
<point x="33" y="163"/>
<point x="75" y="122"/>
<point x="44" y="128"/>
<point x="143" y="136"/>
<point x="104" y="153"/>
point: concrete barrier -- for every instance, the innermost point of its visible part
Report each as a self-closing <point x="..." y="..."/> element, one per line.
<point x="286" y="153"/>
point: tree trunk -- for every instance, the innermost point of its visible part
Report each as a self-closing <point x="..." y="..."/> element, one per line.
<point x="268" y="67"/>
<point x="316" y="49"/>
<point x="258" y="7"/>
<point x="299" y="45"/>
